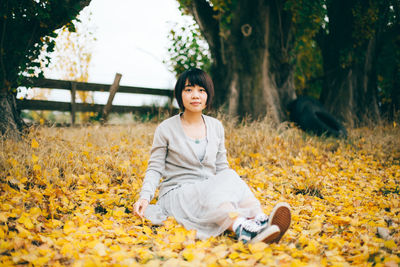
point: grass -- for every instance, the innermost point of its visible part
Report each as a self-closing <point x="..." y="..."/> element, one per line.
<point x="67" y="195"/>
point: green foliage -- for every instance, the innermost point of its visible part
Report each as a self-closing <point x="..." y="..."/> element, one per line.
<point x="389" y="67"/>
<point x="308" y="16"/>
<point x="350" y="26"/>
<point x="26" y="27"/>
<point x="223" y="12"/>
<point x="188" y="49"/>
<point x="308" y="69"/>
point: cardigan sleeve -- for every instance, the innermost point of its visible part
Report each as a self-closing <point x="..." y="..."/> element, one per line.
<point x="221" y="160"/>
<point x="156" y="166"/>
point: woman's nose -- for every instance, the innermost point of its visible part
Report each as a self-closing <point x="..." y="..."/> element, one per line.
<point x="195" y="93"/>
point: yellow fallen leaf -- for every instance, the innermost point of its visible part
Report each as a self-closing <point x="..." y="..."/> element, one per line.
<point x="2" y="234"/>
<point x="37" y="168"/>
<point x="342" y="220"/>
<point x="22" y="232"/>
<point x="315" y="227"/>
<point x="69" y="227"/>
<point x="26" y="221"/>
<point x="101" y="249"/>
<point x="312" y="247"/>
<point x="390" y="244"/>
<point x="257" y="256"/>
<point x="66" y="249"/>
<point x="35" y="158"/>
<point x="297" y="263"/>
<point x="147" y="230"/>
<point x="120" y="231"/>
<point x="234" y="255"/>
<point x="34" y="143"/>
<point x="40" y="261"/>
<point x="107" y="224"/>
<point x="3" y="217"/>
<point x="53" y="223"/>
<point x="188" y="254"/>
<point x="144" y="255"/>
<point x="258" y="247"/>
<point x="35" y="211"/>
<point x="178" y="237"/>
<point x="119" y="212"/>
<point x="169" y="223"/>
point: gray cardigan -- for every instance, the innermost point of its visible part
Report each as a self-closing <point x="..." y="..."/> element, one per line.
<point x="173" y="158"/>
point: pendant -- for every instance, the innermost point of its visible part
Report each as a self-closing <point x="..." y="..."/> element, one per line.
<point x="197" y="141"/>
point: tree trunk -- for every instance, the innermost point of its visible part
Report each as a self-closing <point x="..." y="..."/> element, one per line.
<point x="395" y="97"/>
<point x="251" y="54"/>
<point x="351" y="93"/>
<point x="21" y="39"/>
<point x="11" y="124"/>
<point x="350" y="84"/>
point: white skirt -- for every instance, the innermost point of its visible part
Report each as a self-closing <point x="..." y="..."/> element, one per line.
<point x="208" y="206"/>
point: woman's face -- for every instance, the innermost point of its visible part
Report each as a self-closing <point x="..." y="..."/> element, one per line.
<point x="194" y="97"/>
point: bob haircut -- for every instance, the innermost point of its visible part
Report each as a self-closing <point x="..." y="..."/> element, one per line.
<point x="198" y="77"/>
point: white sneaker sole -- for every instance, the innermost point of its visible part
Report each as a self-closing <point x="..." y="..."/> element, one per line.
<point x="268" y="235"/>
<point x="281" y="217"/>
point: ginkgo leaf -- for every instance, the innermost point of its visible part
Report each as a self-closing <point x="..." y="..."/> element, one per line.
<point x="69" y="227"/>
<point x="34" y="143"/>
<point x="69" y="200"/>
<point x="35" y="158"/>
<point x="26" y="221"/>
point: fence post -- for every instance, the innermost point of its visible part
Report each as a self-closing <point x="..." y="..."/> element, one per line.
<point x="113" y="90"/>
<point x="73" y="106"/>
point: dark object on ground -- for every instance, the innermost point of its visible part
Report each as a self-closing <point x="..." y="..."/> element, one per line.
<point x="311" y="116"/>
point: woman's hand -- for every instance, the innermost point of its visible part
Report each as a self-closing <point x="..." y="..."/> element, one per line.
<point x="140" y="206"/>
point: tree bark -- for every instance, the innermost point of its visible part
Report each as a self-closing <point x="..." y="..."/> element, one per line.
<point x="351" y="93"/>
<point x="252" y="68"/>
<point x="21" y="30"/>
<point x="11" y="124"/>
<point x="350" y="83"/>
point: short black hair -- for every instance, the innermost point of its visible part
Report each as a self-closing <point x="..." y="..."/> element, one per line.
<point x="198" y="77"/>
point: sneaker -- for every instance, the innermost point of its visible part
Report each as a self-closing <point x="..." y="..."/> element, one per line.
<point x="249" y="232"/>
<point x="281" y="217"/>
<point x="267" y="235"/>
<point x="261" y="219"/>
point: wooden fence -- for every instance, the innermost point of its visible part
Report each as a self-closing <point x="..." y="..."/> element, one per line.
<point x="103" y="110"/>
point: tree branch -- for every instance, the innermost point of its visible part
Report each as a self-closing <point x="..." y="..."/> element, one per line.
<point x="204" y="15"/>
<point x="65" y="7"/>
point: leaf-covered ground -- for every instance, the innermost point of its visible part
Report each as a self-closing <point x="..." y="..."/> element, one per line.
<point x="67" y="194"/>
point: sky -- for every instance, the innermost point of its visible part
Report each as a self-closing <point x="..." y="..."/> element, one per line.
<point x="131" y="39"/>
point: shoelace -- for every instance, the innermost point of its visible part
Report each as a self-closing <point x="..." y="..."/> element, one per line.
<point x="261" y="218"/>
<point x="251" y="226"/>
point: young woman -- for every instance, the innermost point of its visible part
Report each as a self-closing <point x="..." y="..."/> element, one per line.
<point x="199" y="189"/>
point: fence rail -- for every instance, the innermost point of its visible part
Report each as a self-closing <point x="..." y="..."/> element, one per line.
<point x="104" y="110"/>
<point x="80" y="107"/>
<point x="82" y="86"/>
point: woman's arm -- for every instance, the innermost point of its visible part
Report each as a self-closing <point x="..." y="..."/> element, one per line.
<point x="221" y="160"/>
<point x="156" y="165"/>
